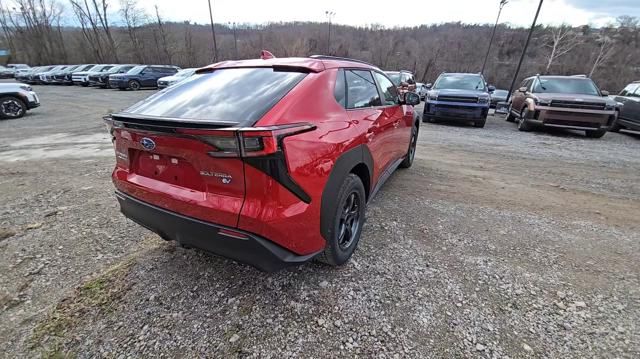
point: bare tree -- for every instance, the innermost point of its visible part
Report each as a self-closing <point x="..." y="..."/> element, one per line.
<point x="32" y="22"/>
<point x="94" y="20"/>
<point x="163" y="38"/>
<point x="134" y="17"/>
<point x="189" y="47"/>
<point x="562" y="40"/>
<point x="605" y="51"/>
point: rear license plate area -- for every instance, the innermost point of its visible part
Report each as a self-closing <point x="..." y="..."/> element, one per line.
<point x="168" y="169"/>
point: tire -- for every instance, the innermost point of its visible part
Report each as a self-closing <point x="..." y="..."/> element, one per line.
<point x="411" y="152"/>
<point x="480" y="124"/>
<point x="615" y="127"/>
<point x="84" y="84"/>
<point x="595" y="133"/>
<point x="523" y="124"/>
<point x="348" y="219"/>
<point x="12" y="107"/>
<point x="510" y="117"/>
<point x="134" y="85"/>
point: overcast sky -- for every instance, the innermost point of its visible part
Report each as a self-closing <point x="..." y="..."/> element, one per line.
<point x="396" y="13"/>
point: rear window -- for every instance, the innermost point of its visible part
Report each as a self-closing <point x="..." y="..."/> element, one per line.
<point x="241" y="95"/>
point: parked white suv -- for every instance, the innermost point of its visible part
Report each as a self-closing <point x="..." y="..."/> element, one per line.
<point x="16" y="99"/>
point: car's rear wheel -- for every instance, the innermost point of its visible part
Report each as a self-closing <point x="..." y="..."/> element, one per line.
<point x="12" y="107"/>
<point x="523" y="122"/>
<point x="595" y="133"/>
<point x="134" y="85"/>
<point x="411" y="152"/>
<point x="348" y="219"/>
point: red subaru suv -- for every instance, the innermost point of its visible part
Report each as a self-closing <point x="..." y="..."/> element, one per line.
<point x="270" y="162"/>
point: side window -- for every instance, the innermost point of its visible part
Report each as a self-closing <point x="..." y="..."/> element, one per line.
<point x="361" y="89"/>
<point x="388" y="89"/>
<point x="340" y="91"/>
<point x="631" y="90"/>
<point x="523" y="84"/>
<point x="529" y="84"/>
<point x="410" y="79"/>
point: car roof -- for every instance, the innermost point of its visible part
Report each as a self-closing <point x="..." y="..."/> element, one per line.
<point x="559" y="77"/>
<point x="313" y="64"/>
<point x="461" y="73"/>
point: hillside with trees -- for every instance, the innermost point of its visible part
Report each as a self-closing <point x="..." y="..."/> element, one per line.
<point x="35" y="33"/>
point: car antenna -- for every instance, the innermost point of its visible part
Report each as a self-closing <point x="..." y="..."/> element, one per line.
<point x="540" y="82"/>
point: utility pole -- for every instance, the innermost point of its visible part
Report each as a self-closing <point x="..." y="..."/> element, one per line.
<point x="524" y="51"/>
<point x="493" y="33"/>
<point x="235" y="39"/>
<point x="213" y="34"/>
<point x="329" y="15"/>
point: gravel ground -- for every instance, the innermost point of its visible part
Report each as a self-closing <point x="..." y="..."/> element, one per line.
<point x="494" y="244"/>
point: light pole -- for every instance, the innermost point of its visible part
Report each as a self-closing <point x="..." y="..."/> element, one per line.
<point x="493" y="33"/>
<point x="213" y="34"/>
<point x="329" y="15"/>
<point x="524" y="51"/>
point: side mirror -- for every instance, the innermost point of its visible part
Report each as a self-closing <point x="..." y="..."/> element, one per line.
<point x="522" y="89"/>
<point x="428" y="86"/>
<point x="491" y="88"/>
<point x="604" y="93"/>
<point x="411" y="98"/>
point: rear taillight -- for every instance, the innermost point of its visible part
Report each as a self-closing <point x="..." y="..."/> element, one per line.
<point x="250" y="141"/>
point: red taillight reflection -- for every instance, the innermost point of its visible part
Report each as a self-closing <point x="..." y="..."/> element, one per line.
<point x="247" y="142"/>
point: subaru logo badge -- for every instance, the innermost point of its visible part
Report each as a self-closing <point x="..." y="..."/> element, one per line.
<point x="147" y="143"/>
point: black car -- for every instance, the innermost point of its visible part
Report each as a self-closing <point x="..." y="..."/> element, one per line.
<point x="629" y="113"/>
<point x="498" y="96"/>
<point x="65" y="76"/>
<point x="141" y="76"/>
<point x="102" y="79"/>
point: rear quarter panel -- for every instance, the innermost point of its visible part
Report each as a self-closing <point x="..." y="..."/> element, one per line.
<point x="271" y="210"/>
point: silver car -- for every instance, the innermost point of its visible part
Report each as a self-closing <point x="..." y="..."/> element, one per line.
<point x="16" y="99"/>
<point x="174" y="79"/>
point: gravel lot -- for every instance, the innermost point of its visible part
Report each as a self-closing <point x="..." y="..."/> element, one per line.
<point x="495" y="244"/>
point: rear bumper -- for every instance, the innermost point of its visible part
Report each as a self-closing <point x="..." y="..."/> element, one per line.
<point x="252" y="249"/>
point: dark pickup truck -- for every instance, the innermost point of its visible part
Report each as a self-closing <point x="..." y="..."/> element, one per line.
<point x="629" y="114"/>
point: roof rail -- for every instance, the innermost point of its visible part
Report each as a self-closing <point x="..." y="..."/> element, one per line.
<point x="327" y="57"/>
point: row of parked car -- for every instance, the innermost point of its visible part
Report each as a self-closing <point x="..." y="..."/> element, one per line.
<point x="571" y="102"/>
<point x="120" y="76"/>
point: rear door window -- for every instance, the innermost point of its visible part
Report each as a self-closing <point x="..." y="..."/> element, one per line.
<point x="241" y="95"/>
<point x="361" y="90"/>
